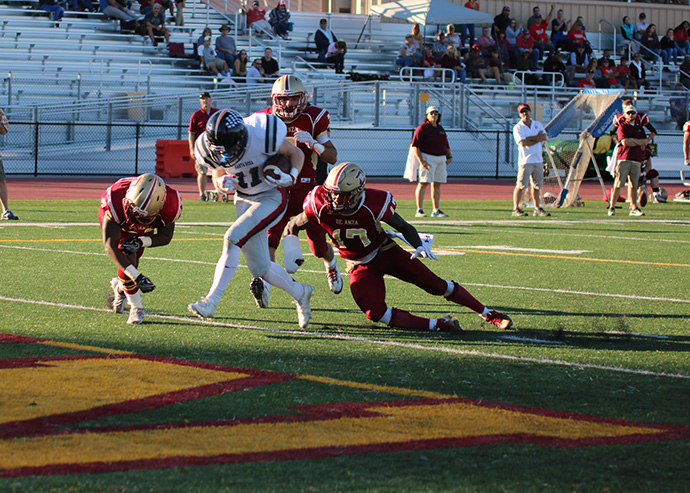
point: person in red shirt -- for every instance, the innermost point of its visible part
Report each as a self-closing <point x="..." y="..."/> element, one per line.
<point x="632" y="140"/>
<point x="197" y="126"/>
<point x="526" y="43"/>
<point x="542" y="42"/>
<point x="609" y="73"/>
<point x="353" y="217"/>
<point x="136" y="213"/>
<point x="588" y="81"/>
<point x="576" y="36"/>
<point x="256" y="19"/>
<point x="465" y="28"/>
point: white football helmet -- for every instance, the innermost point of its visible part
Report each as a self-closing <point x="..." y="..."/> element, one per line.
<point x="285" y="104"/>
<point x="344" y="187"/>
<point x="145" y="198"/>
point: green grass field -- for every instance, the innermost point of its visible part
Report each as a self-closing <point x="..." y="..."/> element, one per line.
<point x="591" y="392"/>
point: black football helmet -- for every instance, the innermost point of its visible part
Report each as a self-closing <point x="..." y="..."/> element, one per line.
<point x="227" y="134"/>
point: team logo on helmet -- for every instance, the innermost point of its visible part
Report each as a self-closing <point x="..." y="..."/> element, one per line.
<point x="227" y="135"/>
<point x="289" y="97"/>
<point x="145" y="198"/>
<point x="345" y="187"/>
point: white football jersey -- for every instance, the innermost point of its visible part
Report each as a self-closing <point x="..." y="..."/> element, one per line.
<point x="265" y="134"/>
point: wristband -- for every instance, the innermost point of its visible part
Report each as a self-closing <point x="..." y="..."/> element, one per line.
<point x="319" y="148"/>
<point x="294" y="173"/>
<point x="146" y="241"/>
<point x="132" y="272"/>
<point x="448" y="155"/>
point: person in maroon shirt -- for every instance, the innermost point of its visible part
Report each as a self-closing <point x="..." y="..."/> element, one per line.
<point x="197" y="126"/>
<point x="354" y="217"/>
<point x="430" y="144"/>
<point x="632" y="140"/>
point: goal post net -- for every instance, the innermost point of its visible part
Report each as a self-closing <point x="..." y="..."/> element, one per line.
<point x="568" y="159"/>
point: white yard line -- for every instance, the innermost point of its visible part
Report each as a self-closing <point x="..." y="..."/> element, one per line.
<point x="383" y="342"/>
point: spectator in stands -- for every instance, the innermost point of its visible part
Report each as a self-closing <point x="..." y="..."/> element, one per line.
<point x="451" y="61"/>
<point x="269" y="65"/>
<point x="155" y="24"/>
<point x="668" y="48"/>
<point x="54" y="8"/>
<point x="525" y="43"/>
<point x="508" y="53"/>
<point x="542" y="42"/>
<point x="239" y="70"/>
<point x="559" y="29"/>
<point x="627" y="33"/>
<point x="439" y="46"/>
<point x="682" y="35"/>
<point x="599" y="81"/>
<point x="209" y="59"/>
<point x="256" y="19"/>
<point x="606" y="55"/>
<point x="255" y="73"/>
<point x="323" y="37"/>
<point x="637" y="71"/>
<point x="200" y="40"/>
<point x="684" y="72"/>
<point x="279" y="18"/>
<point x="554" y="64"/>
<point x="146" y="6"/>
<point x="408" y="56"/>
<point x="428" y="63"/>
<point x="83" y="5"/>
<point x="625" y="75"/>
<point x="650" y="40"/>
<point x="117" y="9"/>
<point x="417" y="38"/>
<point x="494" y="60"/>
<point x="179" y="18"/>
<point x="578" y="62"/>
<point x="641" y="26"/>
<point x="468" y="28"/>
<point x="336" y="55"/>
<point x="225" y="46"/>
<point x="513" y="32"/>
<point x="525" y="63"/>
<point x="678" y="105"/>
<point x="588" y="81"/>
<point x="197" y="126"/>
<point x="576" y="36"/>
<point x="535" y="17"/>
<point x="485" y="42"/>
<point x="502" y="20"/>
<point x="452" y="37"/>
<point x="6" y="213"/>
<point x="478" y="66"/>
<point x="609" y="73"/>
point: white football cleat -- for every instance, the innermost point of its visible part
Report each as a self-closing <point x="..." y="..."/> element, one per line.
<point x="260" y="290"/>
<point x="304" y="307"/>
<point x="202" y="308"/>
<point x="335" y="280"/>
<point x="136" y="315"/>
<point x="119" y="297"/>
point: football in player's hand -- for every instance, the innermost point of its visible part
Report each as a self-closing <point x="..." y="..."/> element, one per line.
<point x="276" y="163"/>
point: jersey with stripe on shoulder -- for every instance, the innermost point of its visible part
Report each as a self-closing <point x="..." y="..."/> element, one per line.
<point x="359" y="235"/>
<point x="265" y="134"/>
<point x="316" y="122"/>
<point x="112" y="207"/>
<point x="641" y="119"/>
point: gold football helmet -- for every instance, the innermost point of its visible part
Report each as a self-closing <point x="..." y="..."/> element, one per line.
<point x="289" y="97"/>
<point x="344" y="187"/>
<point x="145" y="198"/>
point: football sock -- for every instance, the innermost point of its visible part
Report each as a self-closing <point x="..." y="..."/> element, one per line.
<point x="134" y="299"/>
<point x="225" y="270"/>
<point x="330" y="265"/>
<point x="279" y="277"/>
<point x="405" y="320"/>
<point x="386" y="319"/>
<point x="463" y="297"/>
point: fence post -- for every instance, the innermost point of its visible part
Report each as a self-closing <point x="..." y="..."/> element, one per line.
<point x="179" y="118"/>
<point x="377" y="103"/>
<point x="498" y="150"/>
<point x="136" y="151"/>
<point x="109" y="128"/>
<point x="36" y="142"/>
<point x="9" y="89"/>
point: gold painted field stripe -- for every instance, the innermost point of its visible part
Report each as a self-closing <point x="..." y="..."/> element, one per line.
<point x="378" y="388"/>
<point x="81" y="347"/>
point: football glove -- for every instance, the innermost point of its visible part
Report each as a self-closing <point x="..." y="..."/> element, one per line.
<point x="144" y="283"/>
<point x="305" y="137"/>
<point x="226" y="183"/>
<point x="285" y="180"/>
<point x="421" y="251"/>
<point x="131" y="246"/>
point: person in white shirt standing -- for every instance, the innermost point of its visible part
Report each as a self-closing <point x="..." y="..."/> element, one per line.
<point x="529" y="134"/>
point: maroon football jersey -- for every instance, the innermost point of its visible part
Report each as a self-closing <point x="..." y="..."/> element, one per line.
<point x="112" y="208"/>
<point x="359" y="235"/>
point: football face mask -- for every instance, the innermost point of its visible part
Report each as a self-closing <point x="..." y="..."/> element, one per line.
<point x="345" y="188"/>
<point x="289" y="97"/>
<point x="227" y="136"/>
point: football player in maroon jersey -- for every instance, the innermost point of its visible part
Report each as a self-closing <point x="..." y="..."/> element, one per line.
<point x="352" y="217"/>
<point x="308" y="128"/>
<point x="136" y="213"/>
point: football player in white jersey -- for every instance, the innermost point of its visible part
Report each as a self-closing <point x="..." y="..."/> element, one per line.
<point x="236" y="149"/>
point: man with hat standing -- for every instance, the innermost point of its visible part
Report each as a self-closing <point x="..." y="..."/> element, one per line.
<point x="529" y="134"/>
<point x="225" y="46"/>
<point x="197" y="126"/>
<point x="430" y="145"/>
<point x="502" y="20"/>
